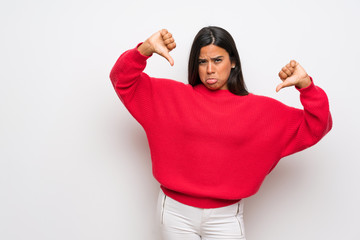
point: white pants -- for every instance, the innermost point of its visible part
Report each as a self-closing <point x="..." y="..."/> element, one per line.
<point x="182" y="222"/>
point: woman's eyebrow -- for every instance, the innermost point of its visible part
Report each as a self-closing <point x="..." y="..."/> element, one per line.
<point x="211" y="58"/>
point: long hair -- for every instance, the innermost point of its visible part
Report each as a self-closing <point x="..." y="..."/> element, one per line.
<point x="221" y="38"/>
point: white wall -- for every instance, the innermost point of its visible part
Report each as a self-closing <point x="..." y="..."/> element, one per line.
<point x="75" y="165"/>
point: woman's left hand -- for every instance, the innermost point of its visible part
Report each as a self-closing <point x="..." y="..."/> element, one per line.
<point x="293" y="75"/>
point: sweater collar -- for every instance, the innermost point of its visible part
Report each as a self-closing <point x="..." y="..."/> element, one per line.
<point x="216" y="93"/>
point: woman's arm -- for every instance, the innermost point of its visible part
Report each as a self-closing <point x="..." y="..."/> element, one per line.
<point x="304" y="127"/>
<point x="134" y="87"/>
<point x="129" y="67"/>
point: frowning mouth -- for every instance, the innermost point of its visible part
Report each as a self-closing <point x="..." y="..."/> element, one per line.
<point x="211" y="81"/>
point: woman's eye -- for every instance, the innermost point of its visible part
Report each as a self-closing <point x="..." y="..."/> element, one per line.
<point x="218" y="60"/>
<point x="202" y="61"/>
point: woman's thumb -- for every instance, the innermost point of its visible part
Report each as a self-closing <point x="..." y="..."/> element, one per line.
<point x="278" y="87"/>
<point x="287" y="83"/>
<point x="168" y="57"/>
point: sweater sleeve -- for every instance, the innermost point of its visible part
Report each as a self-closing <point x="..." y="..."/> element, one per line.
<point x="132" y="85"/>
<point x="306" y="127"/>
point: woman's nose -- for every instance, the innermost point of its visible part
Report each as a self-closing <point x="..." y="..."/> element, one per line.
<point x="210" y="68"/>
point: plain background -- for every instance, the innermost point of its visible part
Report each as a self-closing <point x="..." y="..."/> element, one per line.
<point x="75" y="164"/>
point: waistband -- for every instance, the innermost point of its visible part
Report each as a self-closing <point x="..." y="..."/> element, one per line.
<point x="200" y="202"/>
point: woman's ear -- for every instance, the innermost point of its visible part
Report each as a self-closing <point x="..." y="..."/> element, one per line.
<point x="233" y="64"/>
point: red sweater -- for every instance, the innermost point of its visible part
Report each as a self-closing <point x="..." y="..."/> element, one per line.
<point x="212" y="148"/>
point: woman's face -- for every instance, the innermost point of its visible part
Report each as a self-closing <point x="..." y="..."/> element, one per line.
<point x="214" y="67"/>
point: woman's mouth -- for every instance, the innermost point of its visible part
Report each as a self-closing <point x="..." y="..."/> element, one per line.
<point x="211" y="81"/>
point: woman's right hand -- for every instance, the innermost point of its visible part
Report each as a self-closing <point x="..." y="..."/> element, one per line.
<point x="161" y="43"/>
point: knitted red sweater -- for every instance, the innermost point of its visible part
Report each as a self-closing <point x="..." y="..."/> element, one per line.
<point x="211" y="148"/>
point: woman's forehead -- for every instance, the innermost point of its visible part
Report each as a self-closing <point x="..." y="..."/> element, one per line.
<point x="212" y="51"/>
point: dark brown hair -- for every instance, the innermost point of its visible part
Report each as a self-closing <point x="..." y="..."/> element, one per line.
<point x="221" y="38"/>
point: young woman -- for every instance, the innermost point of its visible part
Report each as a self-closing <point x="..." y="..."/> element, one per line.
<point x="212" y="143"/>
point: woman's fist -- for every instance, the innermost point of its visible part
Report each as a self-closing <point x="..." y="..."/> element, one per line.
<point x="293" y="75"/>
<point x="161" y="43"/>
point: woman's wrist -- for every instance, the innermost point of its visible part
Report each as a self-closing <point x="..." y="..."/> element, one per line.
<point x="305" y="82"/>
<point x="145" y="49"/>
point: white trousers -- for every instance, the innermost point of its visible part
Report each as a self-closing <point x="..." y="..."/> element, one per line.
<point x="179" y="221"/>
